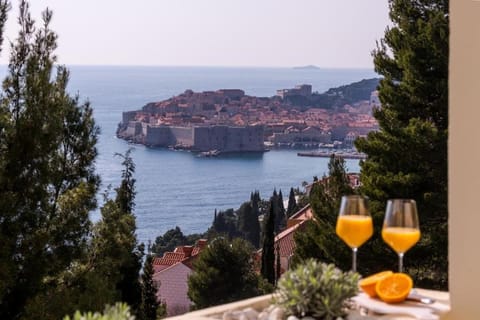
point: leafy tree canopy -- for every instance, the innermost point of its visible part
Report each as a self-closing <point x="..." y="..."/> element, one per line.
<point x="47" y="178"/>
<point x="407" y="157"/>
<point x="223" y="273"/>
<point x="318" y="240"/>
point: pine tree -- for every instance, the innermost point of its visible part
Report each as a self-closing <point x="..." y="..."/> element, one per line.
<point x="407" y="157"/>
<point x="223" y="273"/>
<point x="268" y="253"/>
<point x="292" y="204"/>
<point x="150" y="303"/>
<point x="318" y="240"/>
<point x="47" y="178"/>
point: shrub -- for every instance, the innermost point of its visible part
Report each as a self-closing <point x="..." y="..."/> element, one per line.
<point x="316" y="289"/>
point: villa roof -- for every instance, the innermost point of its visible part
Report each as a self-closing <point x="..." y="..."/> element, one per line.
<point x="184" y="254"/>
<point x="285" y="241"/>
<point x="169" y="258"/>
<point x="303" y="214"/>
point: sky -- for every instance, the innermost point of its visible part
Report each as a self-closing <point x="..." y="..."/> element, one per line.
<point x="268" y="33"/>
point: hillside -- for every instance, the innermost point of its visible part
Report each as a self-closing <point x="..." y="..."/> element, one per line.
<point x="337" y="97"/>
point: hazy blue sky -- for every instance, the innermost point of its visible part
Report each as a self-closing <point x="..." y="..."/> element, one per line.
<point x="326" y="33"/>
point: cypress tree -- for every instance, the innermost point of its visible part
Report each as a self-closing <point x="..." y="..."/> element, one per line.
<point x="292" y="204"/>
<point x="150" y="303"/>
<point x="268" y="253"/>
<point x="255" y="200"/>
<point x="47" y="178"/>
<point x="280" y="214"/>
<point x="278" y="266"/>
<point x="407" y="157"/>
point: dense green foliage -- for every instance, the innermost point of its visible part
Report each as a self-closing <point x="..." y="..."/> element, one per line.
<point x="223" y="273"/>
<point x="280" y="213"/>
<point x="318" y="240"/>
<point x="248" y="225"/>
<point x="407" y="157"/>
<point x="316" y="290"/>
<point x="292" y="204"/>
<point x="52" y="261"/>
<point x="150" y="306"/>
<point x="268" y="254"/>
<point x="115" y="252"/>
<point x="169" y="241"/>
<point x="224" y="223"/>
<point x="244" y="222"/>
<point x="47" y="179"/>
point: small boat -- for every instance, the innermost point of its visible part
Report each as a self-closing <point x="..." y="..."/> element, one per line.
<point x="210" y="153"/>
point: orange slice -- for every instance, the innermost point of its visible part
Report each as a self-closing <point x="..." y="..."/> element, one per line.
<point x="394" y="288"/>
<point x="368" y="284"/>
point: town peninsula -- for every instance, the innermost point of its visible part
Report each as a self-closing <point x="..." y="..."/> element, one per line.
<point x="228" y="120"/>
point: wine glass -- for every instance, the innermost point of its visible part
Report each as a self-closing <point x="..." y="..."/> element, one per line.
<point x="401" y="228"/>
<point x="354" y="223"/>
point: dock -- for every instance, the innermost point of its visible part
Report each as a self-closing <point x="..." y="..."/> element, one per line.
<point x="328" y="154"/>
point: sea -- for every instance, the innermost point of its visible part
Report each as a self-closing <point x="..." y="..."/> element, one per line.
<point x="176" y="188"/>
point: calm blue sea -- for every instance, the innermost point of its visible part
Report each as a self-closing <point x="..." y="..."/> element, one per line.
<point x="176" y="188"/>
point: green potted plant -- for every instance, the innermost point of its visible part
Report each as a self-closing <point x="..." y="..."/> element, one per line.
<point x="316" y="289"/>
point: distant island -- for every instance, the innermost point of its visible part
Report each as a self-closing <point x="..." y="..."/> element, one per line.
<point x="308" y="67"/>
<point x="228" y="120"/>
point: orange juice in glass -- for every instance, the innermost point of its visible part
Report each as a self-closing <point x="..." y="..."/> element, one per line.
<point x="354" y="223"/>
<point x="401" y="229"/>
<point x="400" y="239"/>
<point x="354" y="230"/>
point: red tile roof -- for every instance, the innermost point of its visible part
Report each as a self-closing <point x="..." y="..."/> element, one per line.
<point x="185" y="254"/>
<point x="169" y="258"/>
<point x="285" y="241"/>
<point x="303" y="214"/>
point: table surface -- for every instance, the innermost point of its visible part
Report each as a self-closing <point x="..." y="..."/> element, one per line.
<point x="442" y="299"/>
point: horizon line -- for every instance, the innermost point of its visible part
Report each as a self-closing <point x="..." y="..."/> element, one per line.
<point x="298" y="68"/>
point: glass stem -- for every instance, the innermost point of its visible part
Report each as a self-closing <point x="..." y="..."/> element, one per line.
<point x="354" y="259"/>
<point x="400" y="262"/>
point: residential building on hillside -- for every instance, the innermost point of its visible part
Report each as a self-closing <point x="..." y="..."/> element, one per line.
<point x="171" y="272"/>
<point x="284" y="244"/>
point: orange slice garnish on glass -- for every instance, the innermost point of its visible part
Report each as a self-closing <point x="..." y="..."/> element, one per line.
<point x="368" y="284"/>
<point x="394" y="288"/>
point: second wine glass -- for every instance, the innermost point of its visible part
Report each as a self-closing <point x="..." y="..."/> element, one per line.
<point x="401" y="228"/>
<point x="354" y="224"/>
